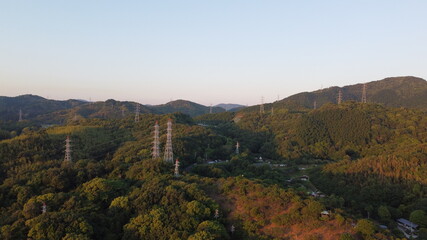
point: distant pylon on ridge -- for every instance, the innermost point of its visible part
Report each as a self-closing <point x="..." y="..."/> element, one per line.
<point x="67" y="149"/>
<point x="237" y="147"/>
<point x="210" y="109"/>
<point x="261" y="107"/>
<point x="168" y="148"/>
<point x="315" y="104"/>
<point x="137" y="113"/>
<point x="156" y="142"/>
<point x="272" y="110"/>
<point x="75" y="117"/>
<point x="176" y="171"/>
<point x="339" y="97"/>
<point x="44" y="208"/>
<point x="364" y="93"/>
<point x="20" y="115"/>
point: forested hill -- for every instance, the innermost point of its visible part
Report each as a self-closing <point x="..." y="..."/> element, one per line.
<point x="109" y="109"/>
<point x="32" y="106"/>
<point x="186" y="107"/>
<point x="392" y="92"/>
<point x="409" y="92"/>
<point x="372" y="156"/>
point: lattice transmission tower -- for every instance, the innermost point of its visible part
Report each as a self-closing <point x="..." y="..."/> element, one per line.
<point x="339" y="97"/>
<point x="20" y="115"/>
<point x="156" y="142"/>
<point x="168" y="148"/>
<point x="232" y="229"/>
<point x="216" y="214"/>
<point x="68" y="151"/>
<point x="44" y="208"/>
<point x="137" y="113"/>
<point x="364" y="93"/>
<point x="176" y="171"/>
<point x="261" y="107"/>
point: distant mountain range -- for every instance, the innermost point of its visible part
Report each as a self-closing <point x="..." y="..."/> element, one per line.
<point x="51" y="111"/>
<point x="409" y="92"/>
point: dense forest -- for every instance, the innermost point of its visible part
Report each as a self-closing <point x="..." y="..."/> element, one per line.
<point x="371" y="158"/>
<point x="344" y="171"/>
<point x="114" y="190"/>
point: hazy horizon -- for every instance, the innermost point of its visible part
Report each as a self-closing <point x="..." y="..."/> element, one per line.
<point x="171" y="100"/>
<point x="205" y="52"/>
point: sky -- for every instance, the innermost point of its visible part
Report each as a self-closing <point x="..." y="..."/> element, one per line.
<point x="209" y="52"/>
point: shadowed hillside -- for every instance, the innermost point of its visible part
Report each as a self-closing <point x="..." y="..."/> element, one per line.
<point x="32" y="106"/>
<point x="109" y="109"/>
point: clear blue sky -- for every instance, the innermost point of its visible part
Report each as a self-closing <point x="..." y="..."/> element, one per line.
<point x="205" y="51"/>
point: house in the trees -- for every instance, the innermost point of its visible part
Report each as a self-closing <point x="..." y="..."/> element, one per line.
<point x="407" y="227"/>
<point x="325" y="213"/>
<point x="304" y="178"/>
